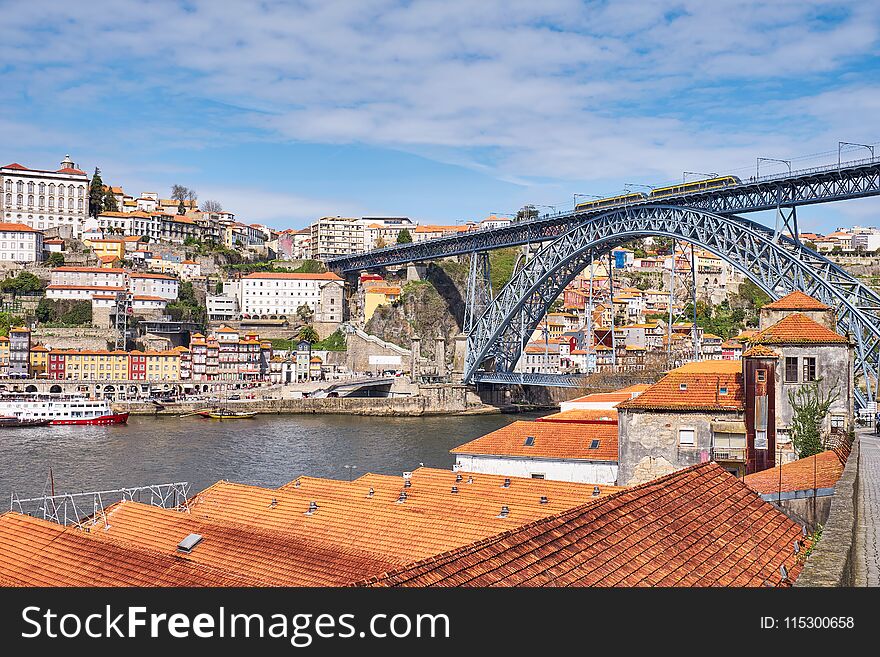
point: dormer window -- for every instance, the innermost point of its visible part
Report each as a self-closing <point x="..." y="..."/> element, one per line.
<point x="682" y="386"/>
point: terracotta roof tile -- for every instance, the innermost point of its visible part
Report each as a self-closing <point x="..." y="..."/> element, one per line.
<point x="694" y="387"/>
<point x="552" y="440"/>
<point x="582" y="415"/>
<point x="760" y="351"/>
<point x="796" y="300"/>
<point x="696" y="527"/>
<point x="819" y="471"/>
<point x="797" y="328"/>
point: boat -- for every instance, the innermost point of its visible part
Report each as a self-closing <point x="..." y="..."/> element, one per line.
<point x="226" y="414"/>
<point x="60" y="409"/>
<point x="10" y="421"/>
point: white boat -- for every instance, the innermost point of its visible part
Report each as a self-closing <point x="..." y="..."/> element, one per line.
<point x="60" y="409"/>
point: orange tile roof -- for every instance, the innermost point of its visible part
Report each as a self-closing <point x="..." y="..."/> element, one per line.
<point x="703" y="381"/>
<point x="382" y="290"/>
<point x="760" y="351"/>
<point x="431" y="520"/>
<point x="552" y="440"/>
<point x="819" y="471"/>
<point x="272" y="556"/>
<point x="580" y="415"/>
<point x="326" y="276"/>
<point x="797" y="328"/>
<point x="796" y="300"/>
<point x="36" y="552"/>
<point x="17" y="228"/>
<point x="699" y="526"/>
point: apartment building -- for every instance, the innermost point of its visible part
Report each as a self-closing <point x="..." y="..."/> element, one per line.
<point x="154" y="285"/>
<point x="267" y="294"/>
<point x="337" y="236"/>
<point x="20" y="243"/>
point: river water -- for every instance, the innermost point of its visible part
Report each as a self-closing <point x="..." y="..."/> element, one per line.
<point x="269" y="450"/>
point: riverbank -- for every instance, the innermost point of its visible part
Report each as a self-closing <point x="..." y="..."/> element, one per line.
<point x="431" y="400"/>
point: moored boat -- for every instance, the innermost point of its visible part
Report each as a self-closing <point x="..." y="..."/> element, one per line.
<point x="231" y="415"/>
<point x="10" y="421"/>
<point x="60" y="409"/>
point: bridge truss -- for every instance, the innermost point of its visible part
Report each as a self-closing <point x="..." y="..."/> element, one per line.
<point x="777" y="263"/>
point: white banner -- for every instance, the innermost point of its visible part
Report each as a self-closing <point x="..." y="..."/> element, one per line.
<point x="384" y="360"/>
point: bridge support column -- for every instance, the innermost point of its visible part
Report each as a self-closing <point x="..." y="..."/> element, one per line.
<point x="415" y="358"/>
<point x="440" y="355"/>
<point x="459" y="357"/>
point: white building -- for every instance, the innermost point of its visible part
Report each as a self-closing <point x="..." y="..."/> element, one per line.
<point x="281" y="294"/>
<point x="154" y="285"/>
<point x="45" y="199"/>
<point x="865" y="240"/>
<point x="384" y="230"/>
<point x="90" y="276"/>
<point x="148" y="303"/>
<point x="583" y="452"/>
<point x="20" y="243"/>
<point x="222" y="308"/>
<point x="492" y="222"/>
<point x="337" y="236"/>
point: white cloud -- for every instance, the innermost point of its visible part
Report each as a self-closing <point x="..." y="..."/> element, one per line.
<point x="562" y="89"/>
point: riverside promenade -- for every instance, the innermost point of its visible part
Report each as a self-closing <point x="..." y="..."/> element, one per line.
<point x="866" y="552"/>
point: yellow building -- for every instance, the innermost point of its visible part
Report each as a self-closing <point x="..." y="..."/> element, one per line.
<point x="163" y="365"/>
<point x="379" y="296"/>
<point x="39" y="360"/>
<point x="4" y="355"/>
<point x="108" y="247"/>
<point x="94" y="365"/>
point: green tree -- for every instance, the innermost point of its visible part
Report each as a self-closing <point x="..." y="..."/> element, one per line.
<point x="333" y="342"/>
<point x="45" y="311"/>
<point x="310" y="267"/>
<point x="109" y="201"/>
<point x="218" y="289"/>
<point x="810" y="407"/>
<point x="55" y="259"/>
<point x="8" y="320"/>
<point x="404" y="237"/>
<point x="80" y="314"/>
<point x="307" y="333"/>
<point x="96" y="194"/>
<point x="24" y="283"/>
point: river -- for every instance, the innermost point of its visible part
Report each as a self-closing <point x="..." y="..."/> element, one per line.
<point x="269" y="450"/>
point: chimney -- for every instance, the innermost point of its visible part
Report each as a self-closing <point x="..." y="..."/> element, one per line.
<point x="458" y="477"/>
<point x="273" y="503"/>
<point x="596" y="491"/>
<point x="505" y="511"/>
<point x="313" y="506"/>
<point x="544" y="499"/>
<point x="370" y="494"/>
<point x="454" y="490"/>
<point x="407" y="483"/>
<point x="402" y="497"/>
<point x="471" y="479"/>
<point x="506" y="483"/>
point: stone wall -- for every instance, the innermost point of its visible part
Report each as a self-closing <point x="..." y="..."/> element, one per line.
<point x="73" y="338"/>
<point x="360" y="346"/>
<point x="649" y="442"/>
<point x="831" y="561"/>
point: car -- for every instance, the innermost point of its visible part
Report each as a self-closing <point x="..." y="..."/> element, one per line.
<point x="234" y="397"/>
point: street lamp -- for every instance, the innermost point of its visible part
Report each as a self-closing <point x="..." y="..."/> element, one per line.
<point x="840" y="144"/>
<point x="770" y="159"/>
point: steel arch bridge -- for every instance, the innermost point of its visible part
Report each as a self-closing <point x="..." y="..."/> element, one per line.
<point x="775" y="262"/>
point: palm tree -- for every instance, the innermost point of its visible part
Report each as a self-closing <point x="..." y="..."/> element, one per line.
<point x="308" y="334"/>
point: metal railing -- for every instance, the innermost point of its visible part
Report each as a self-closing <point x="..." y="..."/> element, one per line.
<point x="729" y="454"/>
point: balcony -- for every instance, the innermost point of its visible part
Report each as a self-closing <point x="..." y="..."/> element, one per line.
<point x="729" y="454"/>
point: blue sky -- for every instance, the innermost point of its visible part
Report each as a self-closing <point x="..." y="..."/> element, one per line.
<point x="441" y="111"/>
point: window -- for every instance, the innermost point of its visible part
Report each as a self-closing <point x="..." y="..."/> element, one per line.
<point x="686" y="437"/>
<point x="594" y="444"/>
<point x="761" y="375"/>
<point x="530" y="440"/>
<point x="682" y="386"/>
<point x="837" y="421"/>
<point x="809" y="369"/>
<point x="791" y="369"/>
<point x="722" y="390"/>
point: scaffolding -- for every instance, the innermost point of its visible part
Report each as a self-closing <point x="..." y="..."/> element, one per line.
<point x="86" y="510"/>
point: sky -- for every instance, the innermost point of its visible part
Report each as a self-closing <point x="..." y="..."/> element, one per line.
<point x="441" y="111"/>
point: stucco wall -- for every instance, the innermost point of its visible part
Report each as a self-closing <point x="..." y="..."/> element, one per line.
<point x="833" y="365"/>
<point x="590" y="472"/>
<point x="649" y="442"/>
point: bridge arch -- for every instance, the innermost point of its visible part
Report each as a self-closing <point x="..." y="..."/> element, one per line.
<point x="776" y="263"/>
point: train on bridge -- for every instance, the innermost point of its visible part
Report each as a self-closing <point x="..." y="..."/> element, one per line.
<point x="707" y="185"/>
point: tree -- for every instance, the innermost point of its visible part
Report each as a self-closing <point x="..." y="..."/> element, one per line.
<point x="527" y="212"/>
<point x="179" y="192"/>
<point x="79" y="315"/>
<point x="109" y="201"/>
<point x="381" y="243"/>
<point x="55" y="259"/>
<point x="307" y="333"/>
<point x="211" y="206"/>
<point x="810" y="407"/>
<point x="334" y="342"/>
<point x="181" y="208"/>
<point x="304" y="314"/>
<point x="404" y="237"/>
<point x="810" y="245"/>
<point x="24" y="283"/>
<point x="45" y="311"/>
<point x="219" y="287"/>
<point x="96" y="194"/>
